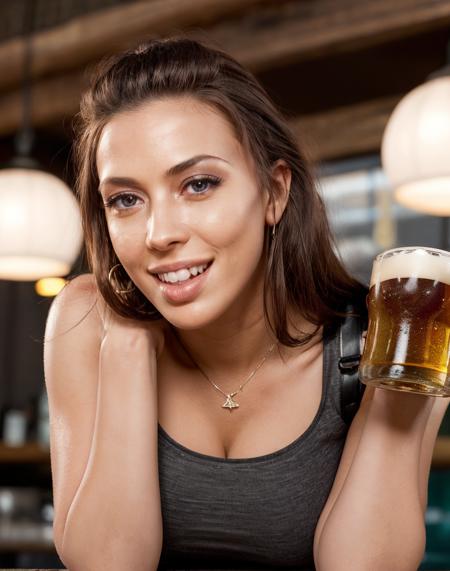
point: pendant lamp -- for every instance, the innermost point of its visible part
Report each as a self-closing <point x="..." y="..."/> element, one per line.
<point x="40" y="223"/>
<point x="415" y="150"/>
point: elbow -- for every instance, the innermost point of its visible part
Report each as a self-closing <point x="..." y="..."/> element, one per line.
<point x="116" y="555"/>
<point x="399" y="552"/>
<point x="108" y="562"/>
<point x="58" y="539"/>
<point x="85" y="545"/>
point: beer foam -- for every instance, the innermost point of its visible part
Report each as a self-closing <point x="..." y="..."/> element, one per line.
<point x="412" y="263"/>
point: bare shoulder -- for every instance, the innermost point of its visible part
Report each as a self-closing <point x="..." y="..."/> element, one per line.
<point x="78" y="305"/>
<point x="83" y="284"/>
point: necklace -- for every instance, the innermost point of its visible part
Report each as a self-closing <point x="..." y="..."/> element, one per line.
<point x="229" y="403"/>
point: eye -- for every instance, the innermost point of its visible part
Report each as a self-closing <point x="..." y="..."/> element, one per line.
<point x="202" y="184"/>
<point x="126" y="198"/>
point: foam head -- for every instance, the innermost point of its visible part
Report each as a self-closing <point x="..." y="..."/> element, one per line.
<point x="414" y="262"/>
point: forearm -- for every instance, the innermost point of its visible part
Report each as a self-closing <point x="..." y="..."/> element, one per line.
<point x="377" y="522"/>
<point x="115" y="522"/>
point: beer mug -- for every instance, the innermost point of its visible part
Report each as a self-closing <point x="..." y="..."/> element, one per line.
<point x="408" y="337"/>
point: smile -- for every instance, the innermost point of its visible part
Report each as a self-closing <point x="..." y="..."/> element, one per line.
<point x="183" y="274"/>
<point x="188" y="288"/>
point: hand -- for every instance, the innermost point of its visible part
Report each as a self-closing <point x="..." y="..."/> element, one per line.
<point x="125" y="328"/>
<point x="363" y="341"/>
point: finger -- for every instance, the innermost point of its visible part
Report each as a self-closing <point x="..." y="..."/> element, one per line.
<point x="362" y="341"/>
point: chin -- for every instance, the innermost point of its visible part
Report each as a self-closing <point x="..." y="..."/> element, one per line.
<point x="188" y="324"/>
<point x="189" y="318"/>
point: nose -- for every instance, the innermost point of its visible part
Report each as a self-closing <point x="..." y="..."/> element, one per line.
<point x="164" y="228"/>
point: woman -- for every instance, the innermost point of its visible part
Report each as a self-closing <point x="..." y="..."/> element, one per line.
<point x="213" y="270"/>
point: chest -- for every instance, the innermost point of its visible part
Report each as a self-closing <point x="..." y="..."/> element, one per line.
<point x="275" y="407"/>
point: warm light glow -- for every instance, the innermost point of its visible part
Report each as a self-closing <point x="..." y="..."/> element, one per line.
<point x="21" y="268"/>
<point x="415" y="150"/>
<point x="430" y="196"/>
<point x="49" y="287"/>
<point x="40" y="225"/>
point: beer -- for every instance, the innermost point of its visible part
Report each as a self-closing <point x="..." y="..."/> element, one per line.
<point x="408" y="338"/>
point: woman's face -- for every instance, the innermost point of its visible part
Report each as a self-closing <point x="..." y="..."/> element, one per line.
<point x="169" y="203"/>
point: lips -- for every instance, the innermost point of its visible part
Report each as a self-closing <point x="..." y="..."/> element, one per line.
<point x="186" y="291"/>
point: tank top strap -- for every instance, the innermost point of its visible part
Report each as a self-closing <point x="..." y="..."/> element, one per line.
<point x="332" y="379"/>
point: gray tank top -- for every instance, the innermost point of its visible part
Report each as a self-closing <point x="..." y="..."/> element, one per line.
<point x="252" y="513"/>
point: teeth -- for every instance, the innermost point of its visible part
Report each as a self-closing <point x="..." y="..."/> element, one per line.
<point x="183" y="274"/>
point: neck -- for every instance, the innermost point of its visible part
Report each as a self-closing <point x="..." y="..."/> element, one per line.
<point x="233" y="350"/>
<point x="226" y="351"/>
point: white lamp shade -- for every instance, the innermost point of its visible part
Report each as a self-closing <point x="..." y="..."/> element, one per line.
<point x="40" y="225"/>
<point x="415" y="150"/>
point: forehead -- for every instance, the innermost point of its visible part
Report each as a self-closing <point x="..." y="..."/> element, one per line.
<point x="167" y="131"/>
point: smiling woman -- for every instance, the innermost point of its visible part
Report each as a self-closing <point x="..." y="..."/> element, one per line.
<point x="186" y="138"/>
<point x="213" y="269"/>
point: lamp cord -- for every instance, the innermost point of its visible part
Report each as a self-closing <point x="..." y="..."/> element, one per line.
<point x="25" y="137"/>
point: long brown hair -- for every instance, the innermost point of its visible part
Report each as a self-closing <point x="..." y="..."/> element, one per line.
<point x="303" y="271"/>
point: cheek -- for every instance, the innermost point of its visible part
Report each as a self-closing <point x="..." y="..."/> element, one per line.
<point x="238" y="217"/>
<point x="124" y="240"/>
<point x="238" y="234"/>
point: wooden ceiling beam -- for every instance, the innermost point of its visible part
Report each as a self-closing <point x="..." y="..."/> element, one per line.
<point x="345" y="131"/>
<point x="296" y="31"/>
<point x="326" y="28"/>
<point x="333" y="134"/>
<point x="266" y="34"/>
<point x="56" y="99"/>
<point x="87" y="38"/>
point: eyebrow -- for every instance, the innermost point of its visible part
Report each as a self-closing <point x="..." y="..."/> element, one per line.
<point x="172" y="171"/>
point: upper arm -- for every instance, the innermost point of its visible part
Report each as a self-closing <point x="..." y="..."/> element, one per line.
<point x="71" y="353"/>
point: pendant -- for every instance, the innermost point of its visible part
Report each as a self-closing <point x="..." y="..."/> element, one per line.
<point x="230" y="403"/>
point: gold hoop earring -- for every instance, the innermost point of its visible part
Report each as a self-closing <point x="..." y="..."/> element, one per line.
<point x="271" y="245"/>
<point x="112" y="284"/>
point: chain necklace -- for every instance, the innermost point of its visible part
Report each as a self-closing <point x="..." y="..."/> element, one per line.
<point x="229" y="403"/>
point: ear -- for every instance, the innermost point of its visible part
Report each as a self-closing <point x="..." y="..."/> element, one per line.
<point x="281" y="176"/>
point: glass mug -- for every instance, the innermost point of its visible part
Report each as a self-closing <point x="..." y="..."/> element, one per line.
<point x="408" y="337"/>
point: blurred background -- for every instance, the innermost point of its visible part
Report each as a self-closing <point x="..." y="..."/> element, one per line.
<point x="336" y="68"/>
